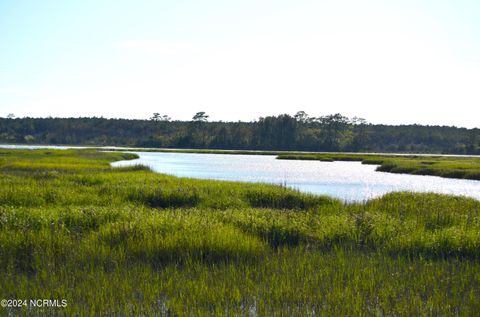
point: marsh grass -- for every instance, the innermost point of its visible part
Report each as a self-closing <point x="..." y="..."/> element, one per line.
<point x="128" y="241"/>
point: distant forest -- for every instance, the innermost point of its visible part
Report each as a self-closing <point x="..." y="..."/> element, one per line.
<point x="283" y="132"/>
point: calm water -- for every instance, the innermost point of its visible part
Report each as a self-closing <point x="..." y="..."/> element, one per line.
<point x="349" y="181"/>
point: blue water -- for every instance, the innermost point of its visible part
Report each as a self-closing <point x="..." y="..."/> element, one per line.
<point x="349" y="181"/>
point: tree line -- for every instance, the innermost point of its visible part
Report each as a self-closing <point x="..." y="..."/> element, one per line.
<point x="299" y="132"/>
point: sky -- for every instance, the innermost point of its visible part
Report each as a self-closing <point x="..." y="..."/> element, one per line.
<point x="390" y="62"/>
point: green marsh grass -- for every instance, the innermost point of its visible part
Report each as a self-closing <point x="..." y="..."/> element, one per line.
<point x="127" y="241"/>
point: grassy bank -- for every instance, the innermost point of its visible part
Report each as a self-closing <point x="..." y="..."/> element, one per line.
<point x="443" y="166"/>
<point x="127" y="241"/>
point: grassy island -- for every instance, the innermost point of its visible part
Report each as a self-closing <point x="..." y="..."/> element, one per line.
<point x="127" y="241"/>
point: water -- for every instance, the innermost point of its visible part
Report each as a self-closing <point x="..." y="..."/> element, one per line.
<point x="349" y="181"/>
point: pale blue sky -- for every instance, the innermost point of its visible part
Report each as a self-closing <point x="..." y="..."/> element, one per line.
<point x="409" y="61"/>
